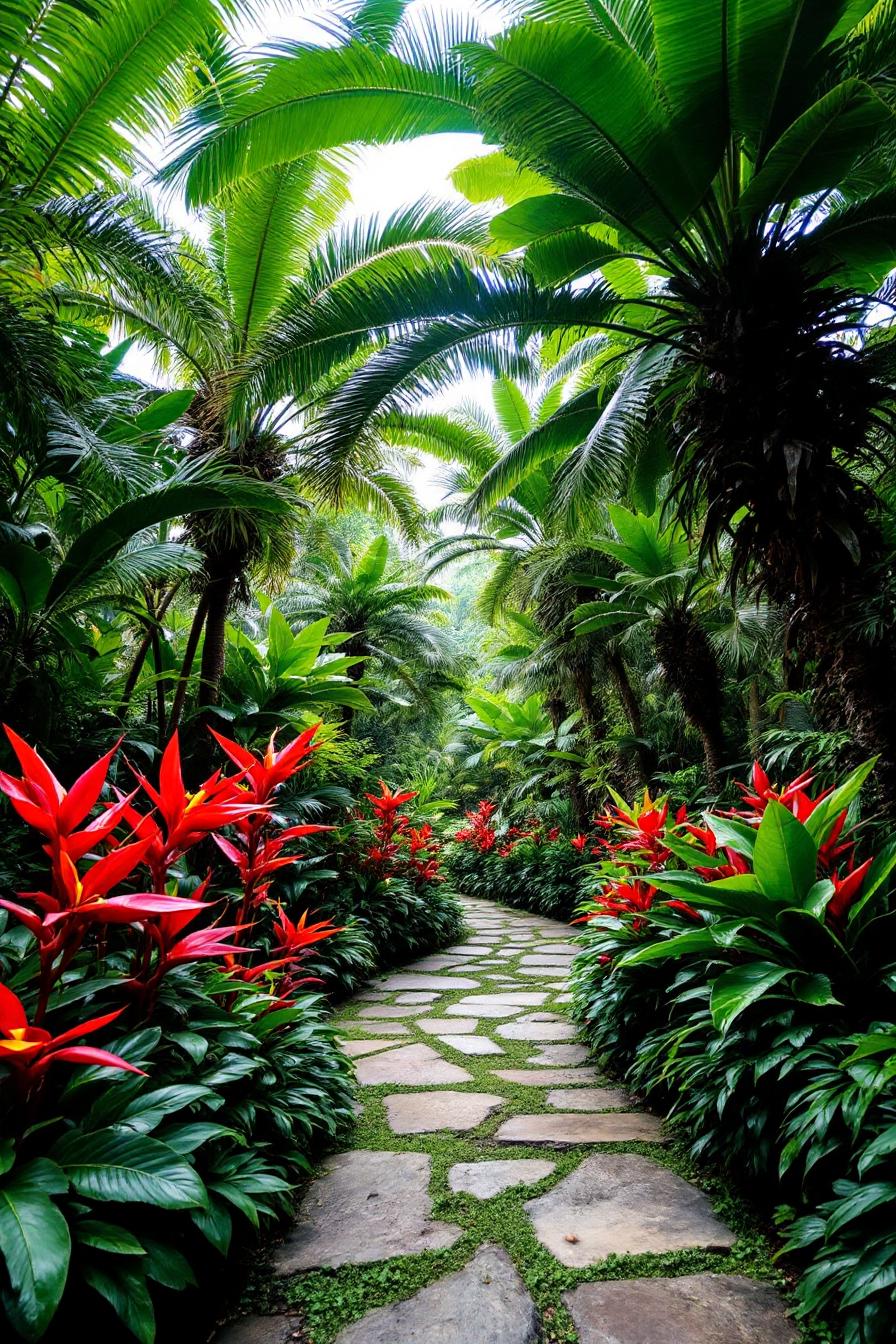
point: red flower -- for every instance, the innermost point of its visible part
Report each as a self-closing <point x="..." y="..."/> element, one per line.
<point x="31" y="1050"/>
<point x="579" y="842"/>
<point x="386" y="803"/>
<point x="846" y="891"/>
<point x="264" y="775"/>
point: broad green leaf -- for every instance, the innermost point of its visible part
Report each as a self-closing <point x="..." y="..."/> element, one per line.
<point x="822" y="818"/>
<point x="165" y="410"/>
<point x="855" y="240"/>
<point x="695" y="940"/>
<point x="737" y="988"/>
<point x="730" y="833"/>
<point x="124" y="1287"/>
<point x="512" y="409"/>
<point x="539" y="217"/>
<point x="317" y="98"/>
<point x="107" y="1237"/>
<point x="815" y="989"/>
<point x="690" y="41"/>
<point x="35" y="1244"/>
<point x="785" y="857"/>
<point x="25" y="576"/>
<point x="497" y="177"/>
<point x="819" y="148"/>
<point x="372" y="565"/>
<point x="126" y="1167"/>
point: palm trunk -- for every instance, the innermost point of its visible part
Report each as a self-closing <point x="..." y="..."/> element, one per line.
<point x="218" y="595"/>
<point x="180" y="693"/>
<point x="631" y="707"/>
<point x="143" y="649"/>
<point x="692" y="671"/>
<point x="754" y="704"/>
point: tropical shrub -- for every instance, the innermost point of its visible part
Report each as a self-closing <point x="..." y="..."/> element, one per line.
<point x="532" y="866"/>
<point x="739" y="970"/>
<point x="204" y="1068"/>
<point x="390" y="880"/>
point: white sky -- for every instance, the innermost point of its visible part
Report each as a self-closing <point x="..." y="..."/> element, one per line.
<point x="385" y="177"/>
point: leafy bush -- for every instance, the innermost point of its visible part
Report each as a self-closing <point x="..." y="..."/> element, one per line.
<point x="532" y="867"/>
<point x="740" y="971"/>
<point x="217" y="1070"/>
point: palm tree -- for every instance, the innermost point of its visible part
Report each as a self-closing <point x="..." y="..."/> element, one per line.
<point x="703" y="198"/>
<point x="391" y="617"/>
<point x="659" y="585"/>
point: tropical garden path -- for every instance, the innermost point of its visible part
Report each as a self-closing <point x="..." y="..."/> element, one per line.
<point x="497" y="1190"/>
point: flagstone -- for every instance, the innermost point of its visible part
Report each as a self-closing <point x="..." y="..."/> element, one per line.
<point x="547" y="1077"/>
<point x="418" y="996"/>
<point x="543" y="972"/>
<point x="567" y="1053"/>
<point x="404" y="981"/>
<point x="472" y="1045"/>
<point x="259" y="1330"/>
<point x="516" y="998"/>
<point x="590" y="1127"/>
<point x="355" y="1049"/>
<point x="589" y="1099"/>
<point x="367" y="1206"/>
<point x="697" y="1308"/>
<point x="426" y="1112"/>
<point x="380" y="1027"/>
<point x="542" y="959"/>
<point x="623" y="1204"/>
<point x="410" y="1064"/>
<point x="486" y="1302"/>
<point x="486" y="1179"/>
<point x="536" y="1031"/>
<point x="370" y="996"/>
<point x="457" y="1025"/>
<point x="387" y="1010"/>
<point x="470" y="1009"/>
<point x="434" y="963"/>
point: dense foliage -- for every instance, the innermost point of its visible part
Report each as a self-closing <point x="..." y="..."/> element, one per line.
<point x="664" y="547"/>
<point x="740" y="969"/>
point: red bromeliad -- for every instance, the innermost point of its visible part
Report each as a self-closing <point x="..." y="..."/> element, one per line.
<point x="30" y="1050"/>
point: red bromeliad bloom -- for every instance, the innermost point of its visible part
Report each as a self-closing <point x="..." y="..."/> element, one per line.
<point x="385" y="804"/>
<point x="643" y="829"/>
<point x="792" y="795"/>
<point x="846" y="892"/>
<point x="189" y="817"/>
<point x="264" y="775"/>
<point x="262" y="857"/>
<point x="579" y="842"/>
<point x="31" y="1050"/>
<point x="480" y="833"/>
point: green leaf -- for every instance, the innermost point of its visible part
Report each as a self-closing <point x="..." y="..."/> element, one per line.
<point x="112" y="1165"/>
<point x="25" y="576"/>
<point x="695" y="940"/>
<point x="822" y="818"/>
<point x="730" y="833"/>
<point x="736" y="989"/>
<point x="36" y="1245"/>
<point x="107" y="1237"/>
<point x="814" y="989"/>
<point x="785" y="857"/>
<point x="539" y="217"/>
<point x="820" y="147"/>
<point x="497" y="177"/>
<point x="125" y="1289"/>
<point x="165" y="410"/>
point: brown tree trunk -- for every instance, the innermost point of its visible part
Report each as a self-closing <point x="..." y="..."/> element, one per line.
<point x="218" y="595"/>
<point x="692" y="671"/>
<point x="631" y="707"/>
<point x="180" y="692"/>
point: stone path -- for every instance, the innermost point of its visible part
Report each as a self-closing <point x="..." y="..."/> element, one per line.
<point x="496" y="1178"/>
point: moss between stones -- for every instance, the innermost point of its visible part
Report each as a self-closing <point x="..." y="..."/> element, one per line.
<point x="329" y="1299"/>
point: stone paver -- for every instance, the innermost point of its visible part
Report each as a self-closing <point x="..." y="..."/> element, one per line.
<point x="589" y="1099"/>
<point x="417" y="996"/>
<point x="571" y="1053"/>
<point x="693" y="1309"/>
<point x="536" y="1031"/>
<point x="622" y="1204"/>
<point x="377" y="1026"/>
<point x="472" y="1045"/>
<point x="456" y="1025"/>
<point x="405" y="981"/>
<point x="582" y="1127"/>
<point x="469" y="1008"/>
<point x="368" y="1206"/>
<point x="426" y="1112"/>
<point x="355" y="1049"/>
<point x="260" y="1330"/>
<point x="485" y="1302"/>
<point x="488" y="1178"/>
<point x="519" y="998"/>
<point x="387" y="1010"/>
<point x="410" y="1064"/>
<point x="547" y="1077"/>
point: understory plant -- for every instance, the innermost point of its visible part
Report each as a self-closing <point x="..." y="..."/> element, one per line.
<point x="740" y="969"/>
<point x="532" y="866"/>
<point x="165" y="1062"/>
